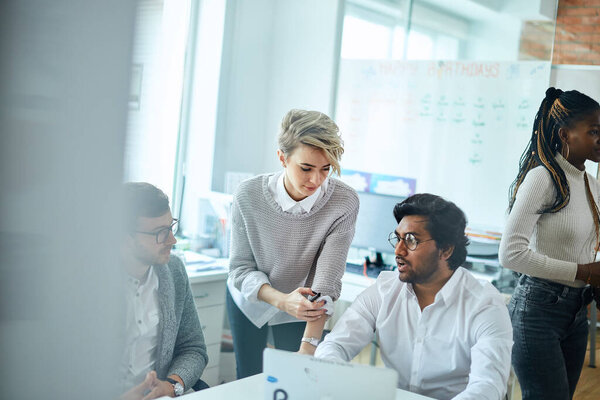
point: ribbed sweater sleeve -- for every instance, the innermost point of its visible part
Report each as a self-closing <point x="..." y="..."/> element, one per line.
<point x="242" y="264"/>
<point x="287" y="250"/>
<point x="549" y="245"/>
<point x="331" y="262"/>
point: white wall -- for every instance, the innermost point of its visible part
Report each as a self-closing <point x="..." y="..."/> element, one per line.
<point x="277" y="55"/>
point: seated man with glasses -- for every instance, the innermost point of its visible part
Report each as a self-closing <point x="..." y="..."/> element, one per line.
<point x="447" y="334"/>
<point x="165" y="352"/>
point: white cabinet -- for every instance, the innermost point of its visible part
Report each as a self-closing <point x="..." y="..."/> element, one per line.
<point x="208" y="289"/>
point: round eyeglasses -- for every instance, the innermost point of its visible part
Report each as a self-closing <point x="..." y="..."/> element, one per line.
<point x="410" y="241"/>
<point x="163" y="234"/>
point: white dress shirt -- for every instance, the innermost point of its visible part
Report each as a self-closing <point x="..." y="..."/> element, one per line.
<point x="142" y="315"/>
<point x="457" y="347"/>
<point x="258" y="311"/>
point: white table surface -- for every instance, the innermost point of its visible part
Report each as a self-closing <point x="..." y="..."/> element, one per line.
<point x="252" y="388"/>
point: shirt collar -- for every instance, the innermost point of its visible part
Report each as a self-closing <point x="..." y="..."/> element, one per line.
<point x="448" y="290"/>
<point x="148" y="278"/>
<point x="445" y="293"/>
<point x="287" y="203"/>
<point x="407" y="291"/>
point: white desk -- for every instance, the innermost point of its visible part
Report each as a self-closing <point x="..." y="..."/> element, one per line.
<point x="252" y="388"/>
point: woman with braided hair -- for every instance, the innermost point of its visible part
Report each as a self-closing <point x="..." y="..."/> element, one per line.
<point x="552" y="237"/>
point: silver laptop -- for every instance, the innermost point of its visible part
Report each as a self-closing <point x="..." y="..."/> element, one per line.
<point x="291" y="376"/>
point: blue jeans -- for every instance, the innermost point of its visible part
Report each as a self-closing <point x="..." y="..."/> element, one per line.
<point x="550" y="333"/>
<point x="250" y="341"/>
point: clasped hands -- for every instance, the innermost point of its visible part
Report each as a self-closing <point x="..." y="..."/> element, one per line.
<point x="150" y="388"/>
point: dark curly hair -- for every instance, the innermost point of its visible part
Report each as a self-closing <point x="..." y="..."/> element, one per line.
<point x="445" y="223"/>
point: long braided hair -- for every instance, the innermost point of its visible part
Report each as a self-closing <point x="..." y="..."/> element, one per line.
<point x="558" y="109"/>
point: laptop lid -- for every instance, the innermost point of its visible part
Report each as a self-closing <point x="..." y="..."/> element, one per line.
<point x="291" y="376"/>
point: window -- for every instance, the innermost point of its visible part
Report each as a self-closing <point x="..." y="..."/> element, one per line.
<point x="157" y="84"/>
<point x="376" y="29"/>
<point x="173" y="101"/>
<point x="365" y="39"/>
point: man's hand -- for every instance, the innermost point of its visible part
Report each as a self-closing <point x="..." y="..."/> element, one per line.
<point x="151" y="388"/>
<point x="162" y="388"/>
<point x="307" y="348"/>
<point x="138" y="392"/>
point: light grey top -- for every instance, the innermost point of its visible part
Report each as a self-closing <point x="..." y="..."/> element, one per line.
<point x="181" y="349"/>
<point x="550" y="245"/>
<point x="288" y="250"/>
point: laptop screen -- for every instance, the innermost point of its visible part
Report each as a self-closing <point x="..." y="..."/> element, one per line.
<point x="291" y="376"/>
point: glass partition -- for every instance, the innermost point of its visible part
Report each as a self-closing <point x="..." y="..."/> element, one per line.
<point x="444" y="94"/>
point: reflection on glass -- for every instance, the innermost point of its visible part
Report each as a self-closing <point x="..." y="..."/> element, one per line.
<point x="443" y="30"/>
<point x="365" y="39"/>
<point x="420" y="46"/>
<point x="451" y="102"/>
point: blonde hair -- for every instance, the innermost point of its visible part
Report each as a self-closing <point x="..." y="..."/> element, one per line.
<point x="312" y="128"/>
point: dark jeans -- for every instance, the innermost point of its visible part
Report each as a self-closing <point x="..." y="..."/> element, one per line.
<point x="250" y="341"/>
<point x="550" y="333"/>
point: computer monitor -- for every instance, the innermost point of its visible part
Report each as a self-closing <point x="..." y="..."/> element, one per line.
<point x="375" y="221"/>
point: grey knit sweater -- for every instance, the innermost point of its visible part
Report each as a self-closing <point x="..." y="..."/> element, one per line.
<point x="181" y="349"/>
<point x="550" y="246"/>
<point x="291" y="250"/>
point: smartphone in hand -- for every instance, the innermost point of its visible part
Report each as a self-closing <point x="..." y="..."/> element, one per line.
<point x="313" y="297"/>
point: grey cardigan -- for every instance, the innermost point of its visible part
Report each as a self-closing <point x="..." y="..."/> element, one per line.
<point x="181" y="349"/>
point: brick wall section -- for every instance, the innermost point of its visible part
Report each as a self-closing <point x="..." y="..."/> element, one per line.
<point x="577" y="39"/>
<point x="536" y="40"/>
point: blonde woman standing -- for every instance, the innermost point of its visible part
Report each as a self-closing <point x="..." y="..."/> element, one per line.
<point x="291" y="231"/>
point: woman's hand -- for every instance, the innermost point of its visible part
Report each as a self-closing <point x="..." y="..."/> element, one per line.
<point x="596" y="296"/>
<point x="300" y="307"/>
<point x="589" y="273"/>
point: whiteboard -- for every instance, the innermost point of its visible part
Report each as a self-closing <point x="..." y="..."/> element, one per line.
<point x="457" y="128"/>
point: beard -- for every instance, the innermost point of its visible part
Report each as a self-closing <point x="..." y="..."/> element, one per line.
<point x="421" y="270"/>
<point x="154" y="256"/>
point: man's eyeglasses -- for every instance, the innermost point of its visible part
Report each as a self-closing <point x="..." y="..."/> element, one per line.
<point x="410" y="241"/>
<point x="163" y="234"/>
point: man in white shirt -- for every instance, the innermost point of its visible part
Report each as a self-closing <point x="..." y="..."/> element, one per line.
<point x="165" y="353"/>
<point x="447" y="334"/>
